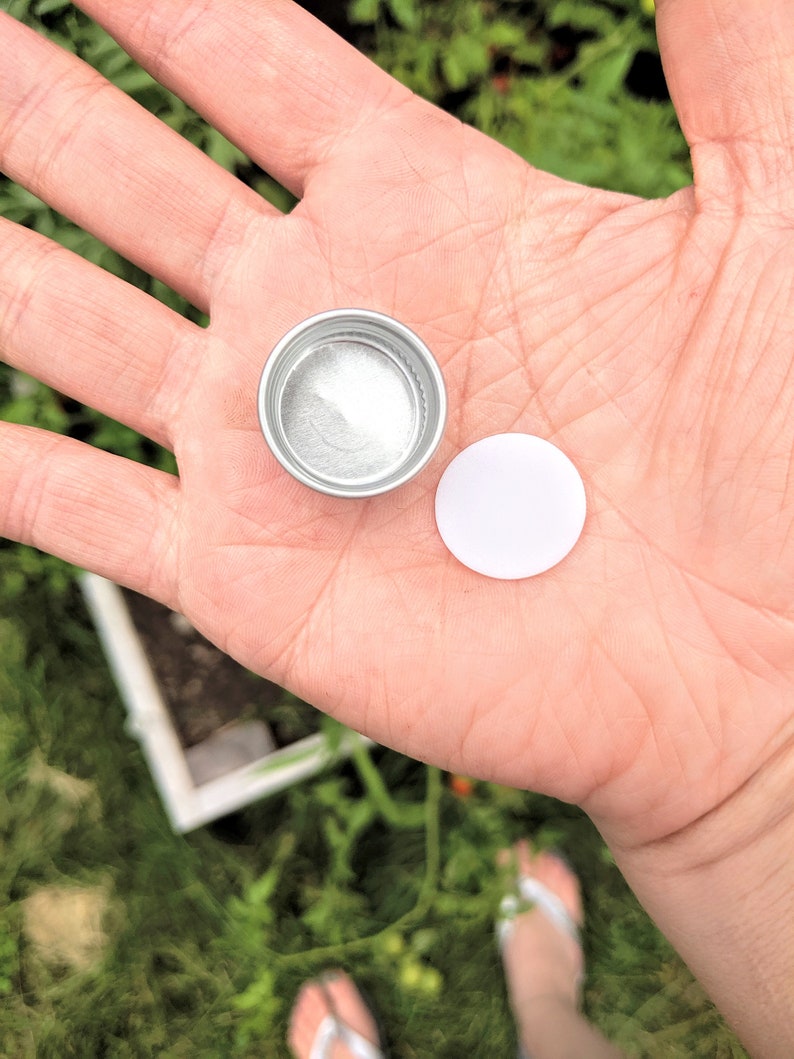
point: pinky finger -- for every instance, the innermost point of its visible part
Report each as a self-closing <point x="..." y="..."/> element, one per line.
<point x="101" y="512"/>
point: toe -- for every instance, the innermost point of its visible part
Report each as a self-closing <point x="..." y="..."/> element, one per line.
<point x="349" y="1005"/>
<point x="333" y="993"/>
<point x="307" y="1014"/>
<point x="553" y="872"/>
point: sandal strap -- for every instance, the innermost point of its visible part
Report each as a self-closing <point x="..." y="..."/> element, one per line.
<point x="331" y="1031"/>
<point x="552" y="907"/>
<point x="535" y="894"/>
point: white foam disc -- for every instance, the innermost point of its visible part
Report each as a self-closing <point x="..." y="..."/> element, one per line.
<point x="510" y="506"/>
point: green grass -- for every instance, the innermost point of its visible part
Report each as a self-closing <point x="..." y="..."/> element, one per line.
<point x="208" y="936"/>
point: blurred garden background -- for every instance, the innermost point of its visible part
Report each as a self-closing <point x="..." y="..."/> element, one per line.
<point x="119" y="938"/>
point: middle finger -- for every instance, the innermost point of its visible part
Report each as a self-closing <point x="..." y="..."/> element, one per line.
<point x="93" y="154"/>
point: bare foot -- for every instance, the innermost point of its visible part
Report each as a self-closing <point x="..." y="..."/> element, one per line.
<point x="543" y="963"/>
<point x="333" y="994"/>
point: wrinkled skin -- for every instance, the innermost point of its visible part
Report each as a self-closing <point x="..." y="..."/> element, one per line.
<point x="649" y="676"/>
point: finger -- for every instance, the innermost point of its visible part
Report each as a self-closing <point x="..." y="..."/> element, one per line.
<point x="107" y="514"/>
<point x="271" y="77"/>
<point x="730" y="68"/>
<point x="90" y="152"/>
<point x="90" y="335"/>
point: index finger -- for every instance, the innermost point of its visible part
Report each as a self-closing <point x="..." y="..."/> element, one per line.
<point x="271" y="77"/>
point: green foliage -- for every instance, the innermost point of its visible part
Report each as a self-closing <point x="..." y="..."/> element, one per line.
<point x="547" y="79"/>
<point x="8" y="957"/>
<point x="376" y="867"/>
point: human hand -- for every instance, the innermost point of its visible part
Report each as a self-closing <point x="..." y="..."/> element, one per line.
<point x="649" y="676"/>
<point x="648" y="340"/>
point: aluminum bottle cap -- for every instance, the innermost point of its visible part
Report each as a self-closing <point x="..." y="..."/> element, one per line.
<point x="352" y="403"/>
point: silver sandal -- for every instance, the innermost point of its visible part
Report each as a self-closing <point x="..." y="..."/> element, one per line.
<point x="332" y="1030"/>
<point x="534" y="894"/>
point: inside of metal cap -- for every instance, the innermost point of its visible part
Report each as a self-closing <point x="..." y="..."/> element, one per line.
<point x="349" y="412"/>
<point x="352" y="403"/>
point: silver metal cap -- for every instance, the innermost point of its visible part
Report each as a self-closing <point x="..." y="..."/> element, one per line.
<point x="352" y="403"/>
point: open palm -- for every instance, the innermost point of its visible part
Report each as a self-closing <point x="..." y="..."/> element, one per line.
<point x="647" y="676"/>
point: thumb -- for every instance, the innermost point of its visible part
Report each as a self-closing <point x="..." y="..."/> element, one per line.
<point x="730" y="68"/>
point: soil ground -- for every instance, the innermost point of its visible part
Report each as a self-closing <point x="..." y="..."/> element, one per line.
<point x="203" y="688"/>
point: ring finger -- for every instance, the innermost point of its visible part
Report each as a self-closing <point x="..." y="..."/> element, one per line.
<point x="91" y="335"/>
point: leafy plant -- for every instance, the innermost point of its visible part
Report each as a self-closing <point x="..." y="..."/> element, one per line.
<point x="560" y="82"/>
<point x="378" y="866"/>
